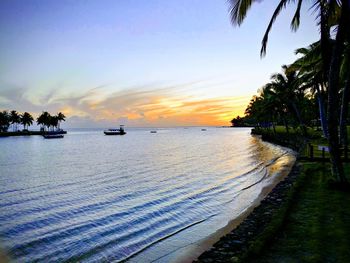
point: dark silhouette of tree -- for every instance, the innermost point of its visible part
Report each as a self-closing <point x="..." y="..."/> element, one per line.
<point x="26" y="120"/>
<point x="4" y="121"/>
<point x="310" y="70"/>
<point x="237" y="122"/>
<point x="15" y="119"/>
<point x="345" y="78"/>
<point x="329" y="13"/>
<point x="53" y="122"/>
<point x="60" y="117"/>
<point x="44" y="120"/>
<point x="288" y="89"/>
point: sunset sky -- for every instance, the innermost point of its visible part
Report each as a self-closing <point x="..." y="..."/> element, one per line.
<point x="140" y="63"/>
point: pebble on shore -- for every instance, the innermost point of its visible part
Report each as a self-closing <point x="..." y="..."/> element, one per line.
<point x="231" y="247"/>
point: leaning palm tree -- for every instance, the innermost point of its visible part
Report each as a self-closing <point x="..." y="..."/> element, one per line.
<point x="60" y="117"/>
<point x="329" y="13"/>
<point x="26" y="120"/>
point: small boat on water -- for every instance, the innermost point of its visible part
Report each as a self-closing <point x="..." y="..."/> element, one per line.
<point x="119" y="131"/>
<point x="203" y="129"/>
<point x="153" y="131"/>
<point x="53" y="136"/>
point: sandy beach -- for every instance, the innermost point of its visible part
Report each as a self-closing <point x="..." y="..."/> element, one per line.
<point x="204" y="250"/>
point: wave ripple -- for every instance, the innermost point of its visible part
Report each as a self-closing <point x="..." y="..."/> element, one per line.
<point x="91" y="197"/>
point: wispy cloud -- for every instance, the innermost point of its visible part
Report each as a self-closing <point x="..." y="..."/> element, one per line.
<point x="134" y="106"/>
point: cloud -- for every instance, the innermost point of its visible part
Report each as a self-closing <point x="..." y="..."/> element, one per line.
<point x="134" y="106"/>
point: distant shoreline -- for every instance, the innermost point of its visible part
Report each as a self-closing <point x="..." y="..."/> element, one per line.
<point x="29" y="133"/>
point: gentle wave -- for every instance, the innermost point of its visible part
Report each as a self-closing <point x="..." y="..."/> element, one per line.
<point x="112" y="209"/>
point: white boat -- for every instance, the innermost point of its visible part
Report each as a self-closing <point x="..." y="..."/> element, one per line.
<point x="119" y="131"/>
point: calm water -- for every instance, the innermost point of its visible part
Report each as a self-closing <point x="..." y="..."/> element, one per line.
<point x="90" y="197"/>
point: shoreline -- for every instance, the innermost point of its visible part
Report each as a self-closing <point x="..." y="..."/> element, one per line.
<point x="233" y="247"/>
<point x="29" y="133"/>
<point x="240" y="231"/>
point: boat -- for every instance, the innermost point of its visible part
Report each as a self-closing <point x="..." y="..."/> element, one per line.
<point x="119" y="131"/>
<point x="153" y="131"/>
<point x="203" y="129"/>
<point x="53" y="136"/>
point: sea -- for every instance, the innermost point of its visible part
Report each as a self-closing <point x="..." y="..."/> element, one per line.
<point x="141" y="197"/>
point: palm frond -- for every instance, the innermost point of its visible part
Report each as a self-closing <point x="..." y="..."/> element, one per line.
<point x="296" y="19"/>
<point x="282" y="4"/>
<point x="238" y="10"/>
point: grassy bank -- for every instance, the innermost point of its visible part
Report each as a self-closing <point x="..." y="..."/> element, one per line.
<point x="303" y="219"/>
<point x="313" y="225"/>
<point x="293" y="139"/>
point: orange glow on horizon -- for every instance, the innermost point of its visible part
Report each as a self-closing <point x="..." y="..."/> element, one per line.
<point x="149" y="107"/>
<point x="173" y="111"/>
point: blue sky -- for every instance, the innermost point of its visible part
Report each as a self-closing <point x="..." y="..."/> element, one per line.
<point x="90" y="58"/>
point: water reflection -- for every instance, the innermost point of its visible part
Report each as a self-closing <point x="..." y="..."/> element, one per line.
<point x="91" y="197"/>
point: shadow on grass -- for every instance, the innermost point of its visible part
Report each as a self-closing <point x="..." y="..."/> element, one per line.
<point x="316" y="227"/>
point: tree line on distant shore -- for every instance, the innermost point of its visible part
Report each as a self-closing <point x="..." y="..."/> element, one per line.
<point x="14" y="119"/>
<point x="316" y="84"/>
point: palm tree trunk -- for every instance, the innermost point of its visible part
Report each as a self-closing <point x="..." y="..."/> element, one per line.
<point x="300" y="120"/>
<point x="333" y="82"/>
<point x="285" y="123"/>
<point x="344" y="113"/>
<point x="325" y="38"/>
<point x="273" y="126"/>
<point x="343" y="140"/>
<point x="323" y="116"/>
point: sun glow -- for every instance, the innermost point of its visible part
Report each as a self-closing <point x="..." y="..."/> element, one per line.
<point x="150" y="106"/>
<point x="180" y="111"/>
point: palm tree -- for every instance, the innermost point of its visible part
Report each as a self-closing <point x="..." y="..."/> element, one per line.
<point x="4" y="121"/>
<point x="40" y="121"/>
<point x="237" y="122"/>
<point x="60" y="117"/>
<point x="26" y="120"/>
<point x="343" y="135"/>
<point x="311" y="72"/>
<point x="44" y="120"/>
<point x="263" y="109"/>
<point x="269" y="105"/>
<point x="333" y="88"/>
<point x="287" y="87"/>
<point x="53" y="121"/>
<point x="15" y="119"/>
<point x="256" y="111"/>
<point x="328" y="17"/>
